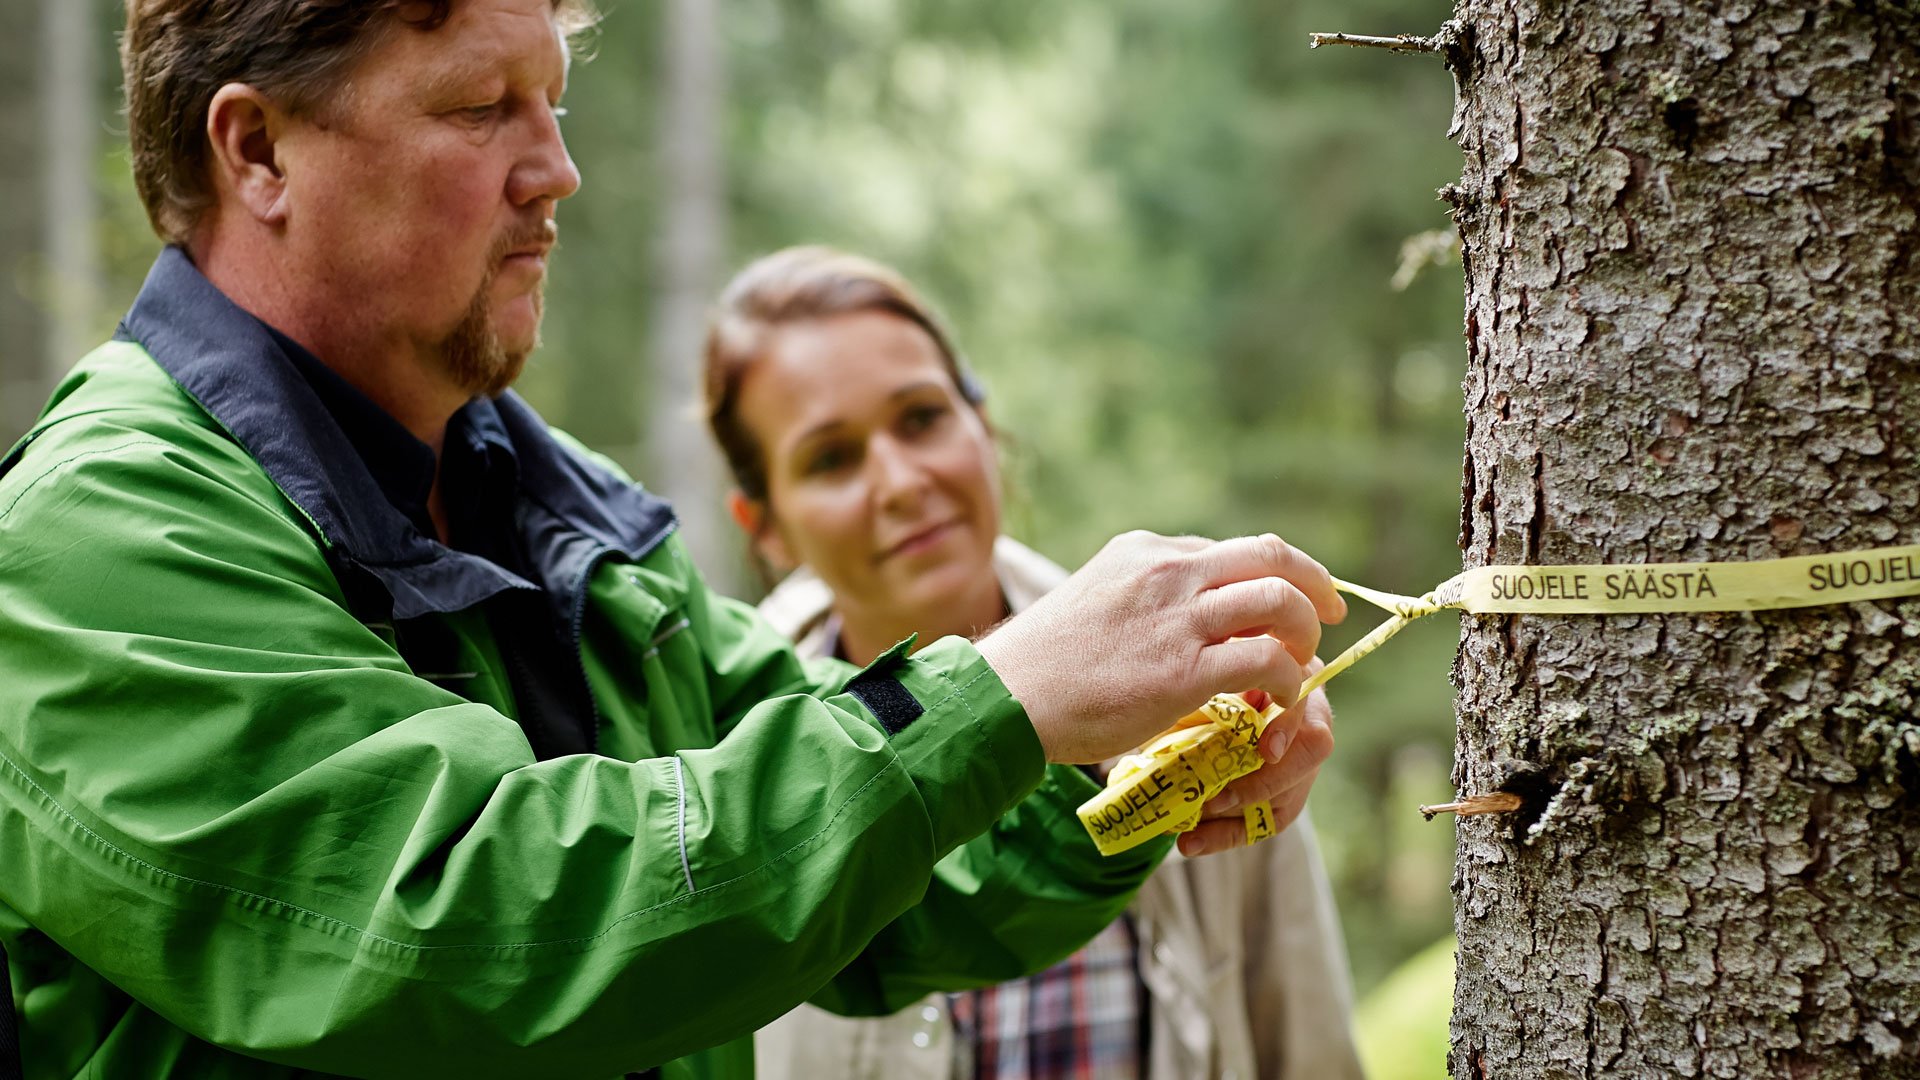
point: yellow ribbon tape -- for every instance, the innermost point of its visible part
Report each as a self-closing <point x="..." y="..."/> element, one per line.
<point x="1162" y="787"/>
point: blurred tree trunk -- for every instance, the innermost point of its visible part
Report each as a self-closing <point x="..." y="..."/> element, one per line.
<point x="24" y="325"/>
<point x="70" y="154"/>
<point x="49" y="273"/>
<point x="1693" y="300"/>
<point x="691" y="248"/>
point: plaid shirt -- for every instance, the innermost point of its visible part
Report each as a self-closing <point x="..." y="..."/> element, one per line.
<point x="1081" y="1019"/>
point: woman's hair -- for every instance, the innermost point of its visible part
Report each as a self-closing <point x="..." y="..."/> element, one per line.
<point x="798" y="284"/>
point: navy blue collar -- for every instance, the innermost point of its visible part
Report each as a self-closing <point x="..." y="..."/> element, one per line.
<point x="568" y="510"/>
<point x="402" y="465"/>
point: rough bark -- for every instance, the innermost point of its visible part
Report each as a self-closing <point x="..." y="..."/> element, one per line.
<point x="1692" y="307"/>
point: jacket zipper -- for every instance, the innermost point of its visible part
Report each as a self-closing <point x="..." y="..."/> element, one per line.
<point x="578" y="619"/>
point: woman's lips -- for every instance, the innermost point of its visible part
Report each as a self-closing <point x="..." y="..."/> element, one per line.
<point x="918" y="542"/>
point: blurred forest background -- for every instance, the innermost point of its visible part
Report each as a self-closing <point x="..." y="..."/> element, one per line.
<point x="1166" y="234"/>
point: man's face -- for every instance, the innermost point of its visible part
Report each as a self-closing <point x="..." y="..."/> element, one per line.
<point x="422" y="201"/>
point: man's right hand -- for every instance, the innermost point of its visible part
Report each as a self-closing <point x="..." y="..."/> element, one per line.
<point x="1153" y="626"/>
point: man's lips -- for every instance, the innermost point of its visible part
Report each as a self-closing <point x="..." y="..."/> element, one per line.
<point x="525" y="268"/>
<point x="533" y="245"/>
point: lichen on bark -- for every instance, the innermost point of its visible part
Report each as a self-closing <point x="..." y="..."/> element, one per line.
<point x="1693" y="333"/>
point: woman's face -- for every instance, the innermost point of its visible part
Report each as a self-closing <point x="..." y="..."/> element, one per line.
<point x="880" y="476"/>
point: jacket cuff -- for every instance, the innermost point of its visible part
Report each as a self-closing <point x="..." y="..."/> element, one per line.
<point x="963" y="739"/>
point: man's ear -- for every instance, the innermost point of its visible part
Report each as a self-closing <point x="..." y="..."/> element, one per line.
<point x="243" y="130"/>
<point x="751" y="516"/>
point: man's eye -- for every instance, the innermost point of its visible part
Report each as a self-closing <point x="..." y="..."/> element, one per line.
<point x="480" y="114"/>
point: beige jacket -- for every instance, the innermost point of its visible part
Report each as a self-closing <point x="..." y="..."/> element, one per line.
<point x="1241" y="954"/>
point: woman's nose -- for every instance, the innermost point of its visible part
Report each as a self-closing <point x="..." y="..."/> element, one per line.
<point x="899" y="479"/>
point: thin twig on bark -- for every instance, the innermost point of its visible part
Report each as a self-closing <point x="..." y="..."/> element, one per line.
<point x="1498" y="802"/>
<point x="1398" y="43"/>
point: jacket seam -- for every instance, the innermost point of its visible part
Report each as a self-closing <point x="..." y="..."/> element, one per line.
<point x="960" y="691"/>
<point x="64" y="462"/>
<point x="215" y="424"/>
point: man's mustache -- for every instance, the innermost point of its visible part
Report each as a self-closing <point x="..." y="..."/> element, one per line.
<point x="543" y="234"/>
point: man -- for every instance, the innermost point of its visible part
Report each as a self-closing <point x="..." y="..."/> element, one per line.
<point x="355" y="723"/>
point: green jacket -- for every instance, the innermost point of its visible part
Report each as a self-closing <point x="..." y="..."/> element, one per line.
<point x="241" y="836"/>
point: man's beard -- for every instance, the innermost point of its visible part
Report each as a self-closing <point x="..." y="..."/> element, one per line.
<point x="473" y="355"/>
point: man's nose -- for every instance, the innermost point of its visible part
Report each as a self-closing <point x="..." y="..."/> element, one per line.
<point x="546" y="171"/>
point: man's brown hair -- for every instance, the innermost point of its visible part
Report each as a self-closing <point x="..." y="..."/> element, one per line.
<point x="176" y="54"/>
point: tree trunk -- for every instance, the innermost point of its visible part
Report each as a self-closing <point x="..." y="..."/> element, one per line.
<point x="49" y="148"/>
<point x="24" y="325"/>
<point x="70" y="111"/>
<point x="1692" y="306"/>
<point x="691" y="247"/>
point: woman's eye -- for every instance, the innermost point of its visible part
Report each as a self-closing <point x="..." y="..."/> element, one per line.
<point x="921" y="417"/>
<point x="827" y="460"/>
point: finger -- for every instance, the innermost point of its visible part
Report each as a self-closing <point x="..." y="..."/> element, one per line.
<point x="1302" y="752"/>
<point x="1263" y="605"/>
<point x="1247" y="557"/>
<point x="1315" y="714"/>
<point x="1255" y="661"/>
<point x="1280" y="732"/>
<point x="1269" y="783"/>
<point x="1287" y="808"/>
<point x="1210" y="837"/>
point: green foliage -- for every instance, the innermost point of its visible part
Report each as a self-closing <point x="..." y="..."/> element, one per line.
<point x="1402" y="1025"/>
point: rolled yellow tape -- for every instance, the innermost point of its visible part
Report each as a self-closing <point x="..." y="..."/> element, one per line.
<point x="1162" y="788"/>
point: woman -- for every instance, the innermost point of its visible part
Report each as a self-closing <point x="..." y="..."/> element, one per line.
<point x="866" y="471"/>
